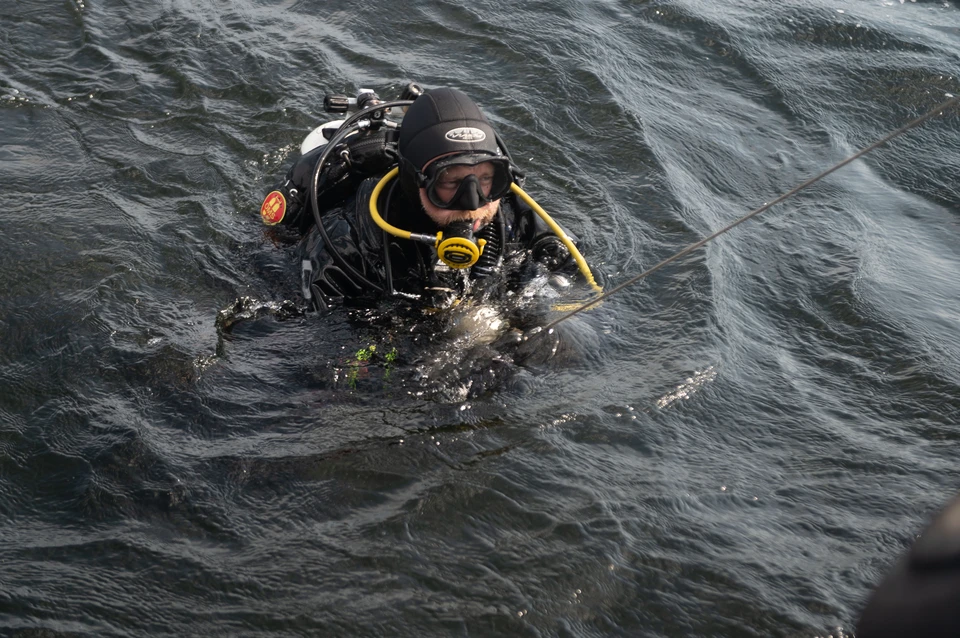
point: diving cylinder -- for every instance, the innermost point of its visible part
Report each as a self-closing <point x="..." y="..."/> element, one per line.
<point x="319" y="136"/>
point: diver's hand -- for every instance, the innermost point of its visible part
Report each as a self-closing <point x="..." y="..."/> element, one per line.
<point x="550" y="252"/>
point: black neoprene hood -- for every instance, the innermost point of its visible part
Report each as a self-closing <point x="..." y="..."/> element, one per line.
<point x="443" y="121"/>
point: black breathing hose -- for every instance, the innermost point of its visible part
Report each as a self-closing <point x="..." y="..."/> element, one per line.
<point x="495" y="234"/>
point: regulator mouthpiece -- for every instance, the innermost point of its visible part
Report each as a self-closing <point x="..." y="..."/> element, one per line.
<point x="456" y="247"/>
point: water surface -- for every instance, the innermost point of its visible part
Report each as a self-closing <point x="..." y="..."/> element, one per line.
<point x="741" y="445"/>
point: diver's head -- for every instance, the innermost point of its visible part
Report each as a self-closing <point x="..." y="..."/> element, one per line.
<point x="449" y="157"/>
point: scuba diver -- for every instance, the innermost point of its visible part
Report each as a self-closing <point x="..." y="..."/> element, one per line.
<point x="428" y="209"/>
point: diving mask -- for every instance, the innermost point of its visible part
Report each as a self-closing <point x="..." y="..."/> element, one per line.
<point x="466" y="181"/>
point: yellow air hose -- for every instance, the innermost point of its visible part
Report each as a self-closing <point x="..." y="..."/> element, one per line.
<point x="555" y="227"/>
<point x="382" y="223"/>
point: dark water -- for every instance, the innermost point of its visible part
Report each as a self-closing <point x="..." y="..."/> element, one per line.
<point x="739" y="446"/>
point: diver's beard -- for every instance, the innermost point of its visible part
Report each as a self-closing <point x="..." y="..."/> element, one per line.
<point x="443" y="216"/>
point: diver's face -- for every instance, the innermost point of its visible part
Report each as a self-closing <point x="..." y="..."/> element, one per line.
<point x="446" y="187"/>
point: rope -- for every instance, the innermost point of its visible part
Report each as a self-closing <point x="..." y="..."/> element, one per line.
<point x="692" y="247"/>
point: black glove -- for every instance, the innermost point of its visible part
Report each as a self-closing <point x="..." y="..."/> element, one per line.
<point x="550" y="251"/>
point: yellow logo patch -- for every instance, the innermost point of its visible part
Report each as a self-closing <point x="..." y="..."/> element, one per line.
<point x="273" y="209"/>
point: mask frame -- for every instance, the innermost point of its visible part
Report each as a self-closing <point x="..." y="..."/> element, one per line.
<point x="469" y="193"/>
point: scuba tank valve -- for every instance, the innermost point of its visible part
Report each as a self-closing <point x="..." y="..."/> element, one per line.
<point x="366" y="99"/>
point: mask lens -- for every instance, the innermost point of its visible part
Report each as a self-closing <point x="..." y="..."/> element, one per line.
<point x="492" y="178"/>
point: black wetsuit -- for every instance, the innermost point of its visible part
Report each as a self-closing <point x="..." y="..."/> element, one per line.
<point x="355" y="266"/>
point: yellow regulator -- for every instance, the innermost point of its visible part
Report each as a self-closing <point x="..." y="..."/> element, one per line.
<point x="456" y="248"/>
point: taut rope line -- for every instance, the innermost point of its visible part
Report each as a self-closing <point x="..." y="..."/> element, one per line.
<point x="692" y="247"/>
